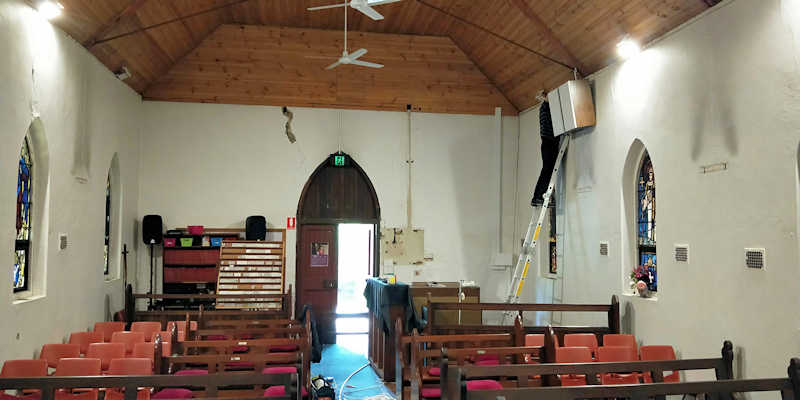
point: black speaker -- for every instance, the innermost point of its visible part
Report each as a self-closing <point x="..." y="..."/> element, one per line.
<point x="255" y="228"/>
<point x="152" y="229"/>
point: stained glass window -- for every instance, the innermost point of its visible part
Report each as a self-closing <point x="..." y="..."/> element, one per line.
<point x="106" y="247"/>
<point x="22" y="247"/>
<point x="646" y="194"/>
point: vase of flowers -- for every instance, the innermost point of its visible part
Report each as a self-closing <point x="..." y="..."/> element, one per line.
<point x="640" y="280"/>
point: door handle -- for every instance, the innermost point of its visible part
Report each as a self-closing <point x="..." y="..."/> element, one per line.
<point x="329" y="284"/>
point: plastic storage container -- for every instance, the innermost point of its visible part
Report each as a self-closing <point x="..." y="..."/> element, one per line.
<point x="169" y="242"/>
<point x="187" y="242"/>
<point x="216" y="242"/>
<point x="195" y="229"/>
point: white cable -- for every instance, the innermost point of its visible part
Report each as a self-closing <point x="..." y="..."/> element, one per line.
<point x="341" y="389"/>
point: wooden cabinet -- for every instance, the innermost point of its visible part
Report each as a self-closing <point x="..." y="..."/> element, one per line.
<point x="447" y="292"/>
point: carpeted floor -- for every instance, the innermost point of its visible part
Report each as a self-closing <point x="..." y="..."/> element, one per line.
<point x="340" y="360"/>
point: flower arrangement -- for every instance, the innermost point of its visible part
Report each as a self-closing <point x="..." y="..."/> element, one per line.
<point x="640" y="280"/>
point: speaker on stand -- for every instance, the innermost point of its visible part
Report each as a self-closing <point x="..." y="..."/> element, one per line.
<point x="152" y="234"/>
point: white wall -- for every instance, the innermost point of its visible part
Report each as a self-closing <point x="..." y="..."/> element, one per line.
<point x="725" y="88"/>
<point x="216" y="164"/>
<point x="87" y="116"/>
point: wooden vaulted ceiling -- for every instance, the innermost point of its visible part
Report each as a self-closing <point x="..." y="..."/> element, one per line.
<point x="440" y="55"/>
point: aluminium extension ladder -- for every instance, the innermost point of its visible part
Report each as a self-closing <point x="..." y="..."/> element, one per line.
<point x="526" y="255"/>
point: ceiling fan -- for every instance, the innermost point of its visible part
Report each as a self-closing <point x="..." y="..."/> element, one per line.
<point x="352" y="58"/>
<point x="365" y="6"/>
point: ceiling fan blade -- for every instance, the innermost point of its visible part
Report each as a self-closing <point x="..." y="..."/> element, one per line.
<point x="366" y="64"/>
<point x="334" y="65"/>
<point x="356" y="54"/>
<point x="327" y="7"/>
<point x="381" y="2"/>
<point x="370" y="12"/>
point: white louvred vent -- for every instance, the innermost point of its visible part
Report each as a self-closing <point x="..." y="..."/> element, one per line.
<point x="603" y="248"/>
<point x="755" y="258"/>
<point x="682" y="253"/>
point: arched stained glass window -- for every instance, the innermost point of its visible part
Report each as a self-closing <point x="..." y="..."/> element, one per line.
<point x="22" y="246"/>
<point x="646" y="235"/>
<point x="106" y="247"/>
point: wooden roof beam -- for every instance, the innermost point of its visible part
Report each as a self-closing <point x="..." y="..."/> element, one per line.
<point x="131" y="9"/>
<point x="539" y="24"/>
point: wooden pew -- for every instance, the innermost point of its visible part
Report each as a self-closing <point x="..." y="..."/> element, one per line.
<point x="453" y="379"/>
<point x="211" y="384"/>
<point x="611" y="310"/>
<point x="417" y="353"/>
<point x="721" y="389"/>
<point x="285" y="311"/>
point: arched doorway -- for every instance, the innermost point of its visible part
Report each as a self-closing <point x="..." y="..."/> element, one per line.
<point x="338" y="192"/>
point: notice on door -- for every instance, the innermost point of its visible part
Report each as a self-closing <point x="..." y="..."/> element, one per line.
<point x="319" y="254"/>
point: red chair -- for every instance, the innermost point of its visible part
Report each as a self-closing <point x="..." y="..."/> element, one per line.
<point x="580" y="354"/>
<point x="106" y="352"/>
<point x="534" y="339"/>
<point x="24" y="369"/>
<point x="54" y="352"/>
<point x="129" y="366"/>
<point x="78" y="367"/>
<point x="83" y="339"/>
<point x="108" y="328"/>
<point x="620" y="339"/>
<point x="146" y="327"/>
<point x="659" y="353"/>
<point x="582" y="340"/>
<point x="617" y="354"/>
<point x="129" y="339"/>
<point x="144" y="350"/>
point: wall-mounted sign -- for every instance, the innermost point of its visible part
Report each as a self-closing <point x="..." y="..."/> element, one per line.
<point x="319" y="254"/>
<point x="339" y="161"/>
<point x="291" y="222"/>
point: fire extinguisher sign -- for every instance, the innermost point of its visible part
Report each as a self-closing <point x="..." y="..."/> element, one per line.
<point x="291" y="222"/>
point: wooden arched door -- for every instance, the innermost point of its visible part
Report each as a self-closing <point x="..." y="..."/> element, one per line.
<point x="337" y="192"/>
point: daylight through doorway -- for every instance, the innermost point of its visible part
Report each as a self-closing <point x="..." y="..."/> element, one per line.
<point x="355" y="251"/>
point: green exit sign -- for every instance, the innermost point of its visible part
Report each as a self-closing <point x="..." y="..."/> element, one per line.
<point x="339" y="161"/>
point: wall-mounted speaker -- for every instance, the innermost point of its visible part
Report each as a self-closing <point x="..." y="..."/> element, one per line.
<point x="255" y="228"/>
<point x="152" y="229"/>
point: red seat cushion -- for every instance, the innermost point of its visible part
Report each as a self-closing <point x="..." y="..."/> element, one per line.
<point x="240" y="349"/>
<point x="240" y="364"/>
<point x="484" y="384"/>
<point x="173" y="394"/>
<point x="279" y="370"/>
<point x="435" y="371"/>
<point x="488" y="362"/>
<point x="280" y="391"/>
<point x="4" y="396"/>
<point x="484" y="357"/>
<point x="432" y="392"/>
<point x="284" y="348"/>
<point x="216" y="337"/>
<point x="192" y="372"/>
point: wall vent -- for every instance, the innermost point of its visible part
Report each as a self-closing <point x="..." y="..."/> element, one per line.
<point x="682" y="253"/>
<point x="603" y="248"/>
<point x="755" y="258"/>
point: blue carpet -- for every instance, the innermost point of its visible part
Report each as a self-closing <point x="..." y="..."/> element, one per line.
<point x="339" y="361"/>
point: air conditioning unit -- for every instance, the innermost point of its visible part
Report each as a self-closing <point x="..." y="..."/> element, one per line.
<point x="571" y="107"/>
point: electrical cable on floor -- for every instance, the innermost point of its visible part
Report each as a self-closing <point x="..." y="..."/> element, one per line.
<point x="341" y="389"/>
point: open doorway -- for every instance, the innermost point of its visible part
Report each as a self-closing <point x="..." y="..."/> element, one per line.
<point x="356" y="256"/>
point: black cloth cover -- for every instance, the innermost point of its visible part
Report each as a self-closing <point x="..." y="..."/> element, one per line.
<point x="316" y="345"/>
<point x="380" y="296"/>
<point x="549" y="151"/>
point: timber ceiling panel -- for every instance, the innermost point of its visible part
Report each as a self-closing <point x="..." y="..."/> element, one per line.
<point x="577" y="33"/>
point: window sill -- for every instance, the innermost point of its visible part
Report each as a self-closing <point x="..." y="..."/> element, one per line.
<point x="30" y="299"/>
<point x="651" y="298"/>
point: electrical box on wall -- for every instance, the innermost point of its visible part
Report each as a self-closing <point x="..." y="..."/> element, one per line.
<point x="403" y="246"/>
<point x="571" y="107"/>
